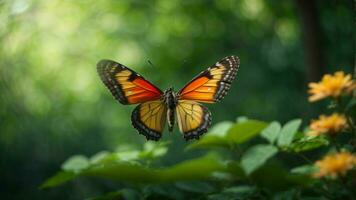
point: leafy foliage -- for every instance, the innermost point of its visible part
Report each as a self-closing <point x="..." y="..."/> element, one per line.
<point x="114" y="166"/>
<point x="271" y="132"/>
<point x="129" y="166"/>
<point x="306" y="144"/>
<point x="230" y="134"/>
<point x="256" y="156"/>
<point x="242" y="132"/>
<point x="200" y="177"/>
<point x="288" y="132"/>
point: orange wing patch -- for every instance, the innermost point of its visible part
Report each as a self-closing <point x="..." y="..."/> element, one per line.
<point x="193" y="119"/>
<point x="149" y="119"/>
<point x="125" y="85"/>
<point x="212" y="84"/>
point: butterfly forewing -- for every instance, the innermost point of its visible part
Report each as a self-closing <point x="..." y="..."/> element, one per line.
<point x="211" y="85"/>
<point x="193" y="118"/>
<point x="126" y="86"/>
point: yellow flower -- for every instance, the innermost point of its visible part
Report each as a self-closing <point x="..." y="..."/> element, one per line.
<point x="331" y="86"/>
<point x="335" y="165"/>
<point x="330" y="125"/>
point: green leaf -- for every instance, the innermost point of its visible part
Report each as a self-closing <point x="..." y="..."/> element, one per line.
<point x="222" y="176"/>
<point x="276" y="177"/>
<point x="222" y="196"/>
<point x="235" y="168"/>
<point x="195" y="186"/>
<point x="127" y="194"/>
<point x="75" y="163"/>
<point x="241" y="119"/>
<point x="286" y="195"/>
<point x="304" y="169"/>
<point x="109" y="196"/>
<point x="241" y="132"/>
<point x="242" y="192"/>
<point x="195" y="169"/>
<point x="256" y="156"/>
<point x="98" y="157"/>
<point x="220" y="129"/>
<point x="242" y="189"/>
<point x="237" y="133"/>
<point x="130" y="194"/>
<point x="215" y="138"/>
<point x="162" y="191"/>
<point x="58" y="179"/>
<point x="152" y="150"/>
<point x="307" y="144"/>
<point x="271" y="132"/>
<point x="288" y="131"/>
<point x="209" y="141"/>
<point x="130" y="155"/>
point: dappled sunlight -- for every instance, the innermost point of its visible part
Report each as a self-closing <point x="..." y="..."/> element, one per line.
<point x="55" y="108"/>
<point x="287" y="31"/>
<point x="252" y="9"/>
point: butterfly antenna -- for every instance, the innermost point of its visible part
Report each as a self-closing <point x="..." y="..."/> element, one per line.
<point x="152" y="65"/>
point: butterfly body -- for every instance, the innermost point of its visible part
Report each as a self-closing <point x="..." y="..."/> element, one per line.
<point x="171" y="101"/>
<point x="157" y="107"/>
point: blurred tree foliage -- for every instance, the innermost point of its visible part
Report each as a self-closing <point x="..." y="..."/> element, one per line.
<point x="53" y="104"/>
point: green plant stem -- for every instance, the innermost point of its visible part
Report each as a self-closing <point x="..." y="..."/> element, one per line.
<point x="338" y="104"/>
<point x="325" y="192"/>
<point x="350" y="123"/>
<point x="304" y="158"/>
<point x="335" y="144"/>
<point x="343" y="181"/>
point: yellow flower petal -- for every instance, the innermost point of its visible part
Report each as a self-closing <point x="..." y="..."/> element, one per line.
<point x="331" y="86"/>
<point x="335" y="165"/>
<point x="328" y="125"/>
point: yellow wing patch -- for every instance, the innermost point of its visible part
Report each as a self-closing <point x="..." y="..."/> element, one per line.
<point x="193" y="119"/>
<point x="149" y="119"/>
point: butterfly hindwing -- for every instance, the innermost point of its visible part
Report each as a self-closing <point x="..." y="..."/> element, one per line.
<point x="211" y="85"/>
<point x="126" y="86"/>
<point x="193" y="118"/>
<point x="149" y="119"/>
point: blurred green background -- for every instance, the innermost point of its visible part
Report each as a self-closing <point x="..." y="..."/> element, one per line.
<point x="53" y="104"/>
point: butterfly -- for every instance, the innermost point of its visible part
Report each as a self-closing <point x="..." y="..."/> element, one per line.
<point x="156" y="107"/>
